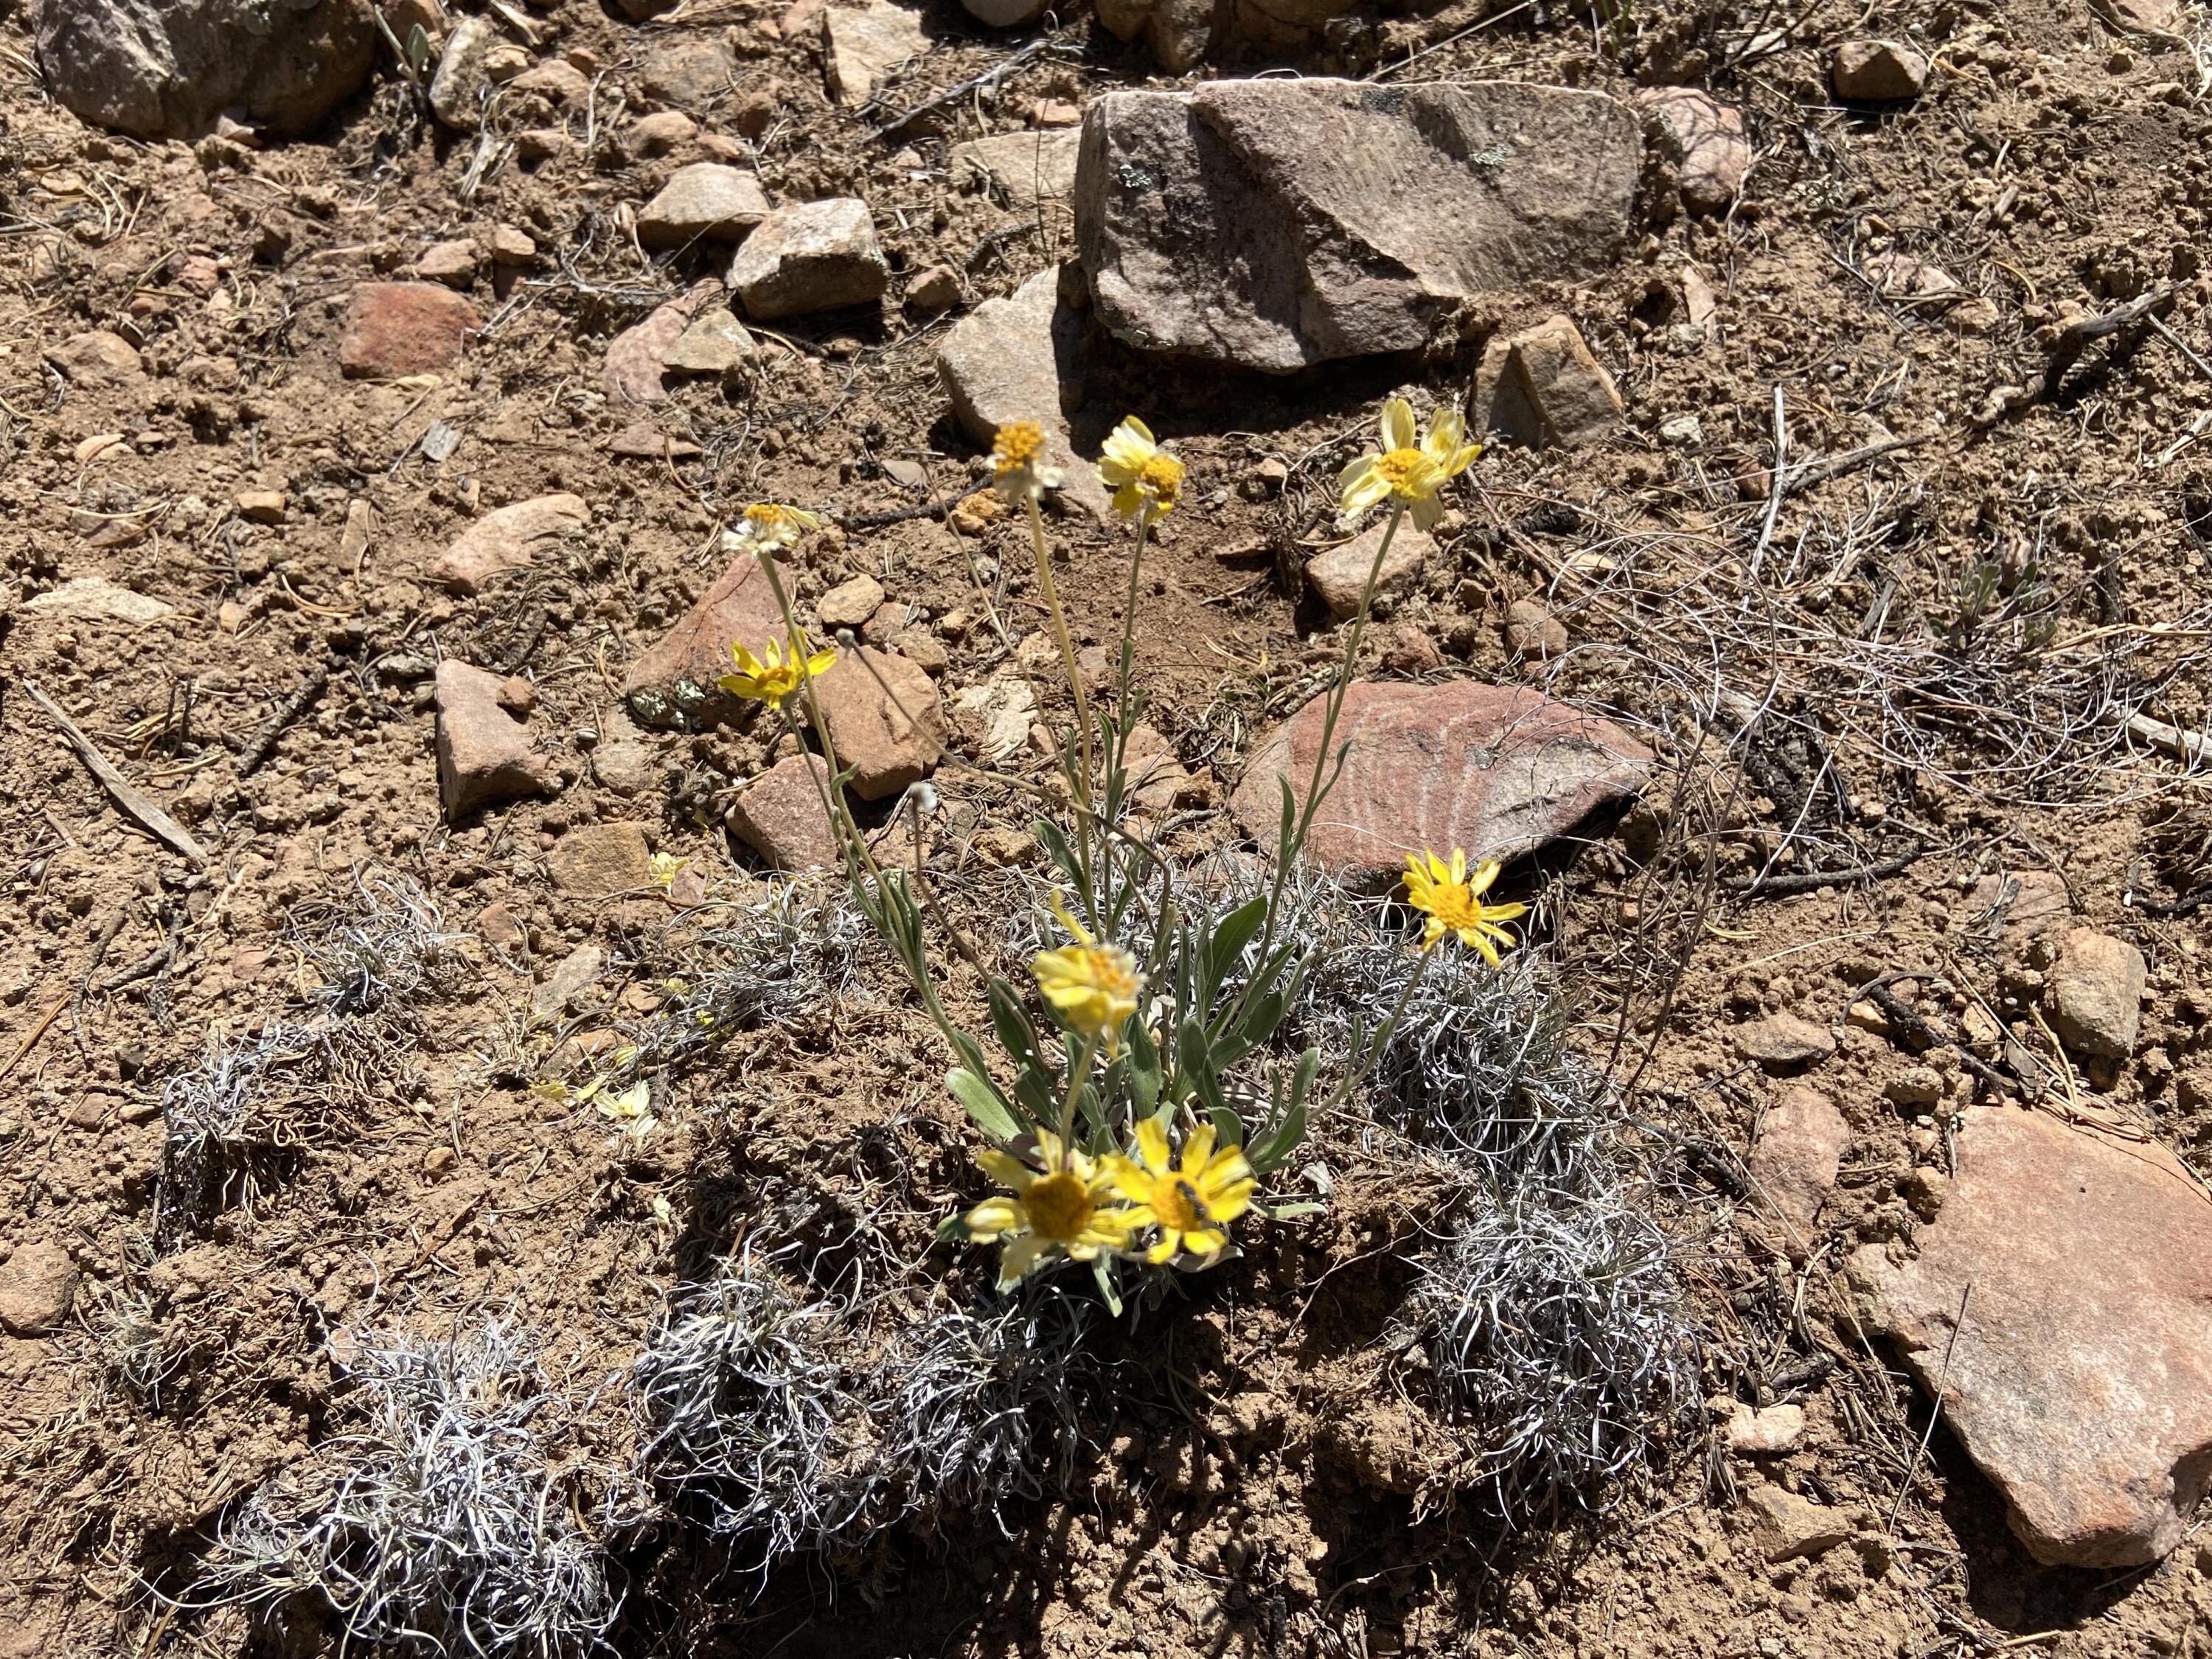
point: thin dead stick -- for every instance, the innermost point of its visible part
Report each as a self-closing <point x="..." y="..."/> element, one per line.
<point x="1819" y="472"/>
<point x="1776" y="484"/>
<point x="37" y="1031"/>
<point x="128" y="795"/>
<point x="2186" y="745"/>
<point x="1942" y="1377"/>
<point x="1806" y="881"/>
<point x="264" y="740"/>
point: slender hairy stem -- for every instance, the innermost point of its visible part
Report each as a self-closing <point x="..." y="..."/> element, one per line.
<point x="1318" y="784"/>
<point x="1066" y="654"/>
<point x="1076" y="1077"/>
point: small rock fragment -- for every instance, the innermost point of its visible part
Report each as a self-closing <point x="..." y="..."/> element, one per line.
<point x="1533" y="631"/>
<point x="1032" y="168"/>
<point x="38" y="1285"/>
<point x="453" y="263"/>
<point x="397" y="329"/>
<point x="867" y="42"/>
<point x="1877" y="71"/>
<point x="779" y="816"/>
<point x="1412" y="651"/>
<point x="675" y="681"/>
<point x="938" y="289"/>
<point x="658" y="133"/>
<point x="568" y="980"/>
<point x="886" y="725"/>
<point x="1785" y="1042"/>
<point x="818" y="256"/>
<point x="706" y="202"/>
<point x="97" y="358"/>
<point x="510" y="247"/>
<point x="1003" y="361"/>
<point x="2096" y="995"/>
<point x="1709" y="138"/>
<point x="1770" y="1431"/>
<point x="850" y="604"/>
<point x="484" y="755"/>
<point x="1788" y="1525"/>
<point x="1796" y="1157"/>
<point x="1542" y="389"/>
<point x="635" y="357"/>
<point x="690" y="74"/>
<point x="1498" y="772"/>
<point x="2019" y="905"/>
<point x="597" y="860"/>
<point x="96" y="598"/>
<point x="1339" y="575"/>
<point x="261" y="505"/>
<point x="559" y="83"/>
<point x="716" y="343"/>
<point x="508" y="538"/>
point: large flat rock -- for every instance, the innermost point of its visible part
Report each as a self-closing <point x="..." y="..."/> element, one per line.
<point x="1279" y="223"/>
<point x="1496" y="771"/>
<point x="2080" y="1379"/>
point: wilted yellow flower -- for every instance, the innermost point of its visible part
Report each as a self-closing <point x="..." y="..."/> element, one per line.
<point x="768" y="678"/>
<point x="1016" y="462"/>
<point x="1145" y="478"/>
<point x="1061" y="1210"/>
<point x="1412" y="468"/>
<point x="1092" y="987"/>
<point x="1452" y="901"/>
<point x="1191" y="1205"/>
<point x="770" y="524"/>
<point x="667" y="867"/>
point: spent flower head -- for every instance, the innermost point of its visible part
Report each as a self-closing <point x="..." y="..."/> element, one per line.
<point x="1062" y="1210"/>
<point x="1145" y="478"/>
<point x="1017" y="468"/>
<point x="771" y="524"/>
<point x="1412" y="467"/>
<point x="767" y="678"/>
<point x="1191" y="1205"/>
<point x="1451" y="898"/>
<point x="1092" y="987"/>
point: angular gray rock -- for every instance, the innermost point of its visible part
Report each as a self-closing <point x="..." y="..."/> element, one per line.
<point x="1542" y="389"/>
<point x="2079" y="1375"/>
<point x="818" y="256"/>
<point x="484" y="754"/>
<point x="864" y="43"/>
<point x="1497" y="772"/>
<point x="166" y="70"/>
<point x="2096" y="995"/>
<point x="1277" y="223"/>
<point x="1006" y="361"/>
<point x="704" y="201"/>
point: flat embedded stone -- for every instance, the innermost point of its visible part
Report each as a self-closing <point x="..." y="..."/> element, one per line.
<point x="818" y="256"/>
<point x="675" y="681"/>
<point x="508" y="538"/>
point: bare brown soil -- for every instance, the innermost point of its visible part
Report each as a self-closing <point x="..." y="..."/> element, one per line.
<point x="1259" y="1479"/>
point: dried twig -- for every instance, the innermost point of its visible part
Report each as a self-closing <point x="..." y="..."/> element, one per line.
<point x="1806" y="881"/>
<point x="128" y="795"/>
<point x="263" y="741"/>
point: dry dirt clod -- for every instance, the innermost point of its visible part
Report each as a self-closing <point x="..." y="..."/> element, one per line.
<point x="599" y="860"/>
<point x="1534" y="632"/>
<point x="1785" y="1042"/>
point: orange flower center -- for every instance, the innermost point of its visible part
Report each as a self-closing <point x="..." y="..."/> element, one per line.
<point x="1019" y="446"/>
<point x="1398" y="465"/>
<point x="1059" y="1206"/>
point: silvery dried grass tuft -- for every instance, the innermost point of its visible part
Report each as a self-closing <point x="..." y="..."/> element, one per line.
<point x="439" y="1523"/>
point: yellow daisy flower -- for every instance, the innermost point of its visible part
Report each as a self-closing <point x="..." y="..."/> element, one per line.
<point x="1452" y="901"/>
<point x="768" y="678"/>
<point x="1412" y="467"/>
<point x="1092" y="987"/>
<point x="770" y="524"/>
<point x="1061" y="1210"/>
<point x="1191" y="1205"/>
<point x="1017" y="457"/>
<point x="1145" y="478"/>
